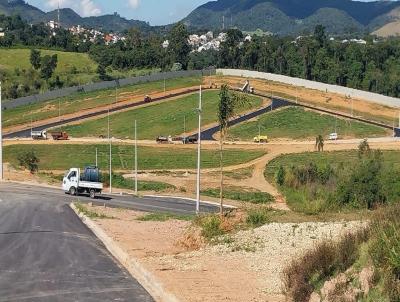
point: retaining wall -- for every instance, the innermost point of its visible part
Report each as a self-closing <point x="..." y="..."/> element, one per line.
<point x="353" y="93"/>
<point x="58" y="93"/>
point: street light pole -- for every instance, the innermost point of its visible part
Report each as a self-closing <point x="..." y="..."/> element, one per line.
<point x="136" y="161"/>
<point x="1" y="139"/>
<point x="109" y="142"/>
<point x="199" y="156"/>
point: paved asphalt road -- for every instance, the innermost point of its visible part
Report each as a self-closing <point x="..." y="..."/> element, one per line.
<point x="48" y="254"/>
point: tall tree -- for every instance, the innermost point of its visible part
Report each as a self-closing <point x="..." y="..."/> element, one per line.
<point x="36" y="59"/>
<point x="48" y="66"/>
<point x="229" y="104"/>
<point x="179" y="48"/>
<point x="319" y="143"/>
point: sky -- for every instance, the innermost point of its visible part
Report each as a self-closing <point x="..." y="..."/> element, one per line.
<point x="157" y="12"/>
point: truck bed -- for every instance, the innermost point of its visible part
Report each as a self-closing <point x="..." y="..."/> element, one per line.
<point x="91" y="185"/>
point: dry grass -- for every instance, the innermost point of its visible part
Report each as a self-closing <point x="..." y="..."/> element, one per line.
<point x="306" y="274"/>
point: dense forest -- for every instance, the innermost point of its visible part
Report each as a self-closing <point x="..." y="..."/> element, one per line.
<point x="374" y="66"/>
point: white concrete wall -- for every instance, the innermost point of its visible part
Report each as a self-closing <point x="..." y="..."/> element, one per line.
<point x="353" y="93"/>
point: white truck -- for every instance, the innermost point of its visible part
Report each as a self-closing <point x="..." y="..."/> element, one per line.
<point x="75" y="182"/>
<point x="36" y="135"/>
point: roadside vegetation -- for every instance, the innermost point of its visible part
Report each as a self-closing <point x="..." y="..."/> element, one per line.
<point x="162" y="217"/>
<point x="120" y="182"/>
<point x="241" y="194"/>
<point x="168" y="118"/>
<point x="336" y="181"/>
<point x="62" y="157"/>
<point x="84" y="101"/>
<point x="83" y="209"/>
<point x="298" y="123"/>
<point x="376" y="248"/>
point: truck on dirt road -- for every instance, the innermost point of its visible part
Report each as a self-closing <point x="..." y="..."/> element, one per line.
<point x="39" y="135"/>
<point x="59" y="135"/>
<point x="89" y="181"/>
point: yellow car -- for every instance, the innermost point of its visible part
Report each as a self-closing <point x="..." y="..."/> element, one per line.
<point x="261" y="139"/>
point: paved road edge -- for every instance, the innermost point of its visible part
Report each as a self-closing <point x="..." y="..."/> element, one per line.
<point x="137" y="271"/>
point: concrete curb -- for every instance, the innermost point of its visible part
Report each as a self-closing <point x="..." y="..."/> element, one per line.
<point x="153" y="286"/>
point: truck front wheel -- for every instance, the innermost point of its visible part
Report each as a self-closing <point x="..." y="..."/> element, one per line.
<point x="92" y="193"/>
<point x="72" y="191"/>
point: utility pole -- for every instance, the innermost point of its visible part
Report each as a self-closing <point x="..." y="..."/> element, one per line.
<point x="58" y="15"/>
<point x="199" y="156"/>
<point x="136" y="161"/>
<point x="109" y="142"/>
<point x="1" y="140"/>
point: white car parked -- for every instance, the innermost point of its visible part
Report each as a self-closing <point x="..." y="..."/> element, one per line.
<point x="333" y="136"/>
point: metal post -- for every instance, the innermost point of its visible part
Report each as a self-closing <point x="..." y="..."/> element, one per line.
<point x="165" y="84"/>
<point x="199" y="156"/>
<point x="59" y="110"/>
<point x="109" y="141"/>
<point x="136" y="161"/>
<point x="184" y="129"/>
<point x="97" y="163"/>
<point x="1" y="139"/>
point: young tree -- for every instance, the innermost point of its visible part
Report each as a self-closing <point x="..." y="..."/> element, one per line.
<point x="229" y="104"/>
<point x="36" y="59"/>
<point x="29" y="160"/>
<point x="319" y="143"/>
<point x="364" y="149"/>
<point x="280" y="176"/>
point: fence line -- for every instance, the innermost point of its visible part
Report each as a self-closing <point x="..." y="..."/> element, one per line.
<point x="353" y="93"/>
<point x="63" y="92"/>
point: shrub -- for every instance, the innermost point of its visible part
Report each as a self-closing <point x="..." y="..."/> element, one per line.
<point x="385" y="249"/>
<point x="306" y="274"/>
<point x="280" y="176"/>
<point x="29" y="161"/>
<point x="211" y="226"/>
<point x="257" y="217"/>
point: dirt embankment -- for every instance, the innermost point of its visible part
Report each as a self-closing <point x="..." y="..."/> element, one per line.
<point x="245" y="266"/>
<point x="317" y="98"/>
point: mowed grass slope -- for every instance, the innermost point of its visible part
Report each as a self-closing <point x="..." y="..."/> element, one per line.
<point x="298" y="123"/>
<point x="20" y="58"/>
<point x="165" y="118"/>
<point x="62" y="157"/>
<point x="83" y="101"/>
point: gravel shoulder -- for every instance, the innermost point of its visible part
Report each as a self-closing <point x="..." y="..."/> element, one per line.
<point x="246" y="266"/>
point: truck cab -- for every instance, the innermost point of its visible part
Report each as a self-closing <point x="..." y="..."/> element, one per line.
<point x="75" y="182"/>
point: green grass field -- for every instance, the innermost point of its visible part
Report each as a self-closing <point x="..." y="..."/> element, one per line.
<point x="297" y="123"/>
<point x="83" y="101"/>
<point x="159" y="119"/>
<point x="20" y="58"/>
<point x="63" y="157"/>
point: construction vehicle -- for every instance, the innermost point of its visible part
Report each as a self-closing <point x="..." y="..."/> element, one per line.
<point x="164" y="139"/>
<point x="59" y="136"/>
<point x="39" y="135"/>
<point x="261" y="139"/>
<point x="247" y="88"/>
<point x="75" y="182"/>
<point x="190" y="140"/>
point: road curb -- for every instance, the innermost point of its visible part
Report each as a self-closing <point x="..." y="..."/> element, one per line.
<point x="153" y="286"/>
